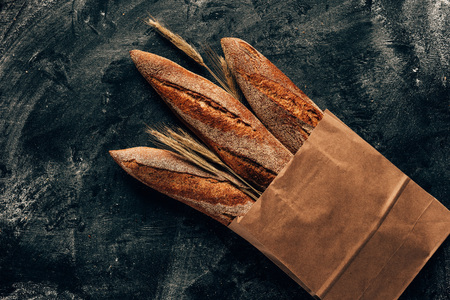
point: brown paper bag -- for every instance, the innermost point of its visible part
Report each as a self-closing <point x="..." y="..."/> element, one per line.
<point x="343" y="221"/>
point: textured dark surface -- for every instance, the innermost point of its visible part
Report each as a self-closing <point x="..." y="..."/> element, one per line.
<point x="73" y="225"/>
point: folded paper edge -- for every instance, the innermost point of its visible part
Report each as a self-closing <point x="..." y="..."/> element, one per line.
<point x="322" y="292"/>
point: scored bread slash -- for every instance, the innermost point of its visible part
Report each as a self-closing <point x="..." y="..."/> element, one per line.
<point x="223" y="123"/>
<point x="175" y="177"/>
<point x="280" y="105"/>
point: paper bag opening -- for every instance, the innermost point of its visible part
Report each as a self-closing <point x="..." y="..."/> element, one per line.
<point x="343" y="221"/>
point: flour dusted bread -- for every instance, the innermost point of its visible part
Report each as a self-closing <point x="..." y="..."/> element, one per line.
<point x="223" y="123"/>
<point x="285" y="110"/>
<point x="175" y="177"/>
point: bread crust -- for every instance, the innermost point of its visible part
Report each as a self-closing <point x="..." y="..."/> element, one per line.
<point x="281" y="106"/>
<point x="223" y="123"/>
<point x="175" y="177"/>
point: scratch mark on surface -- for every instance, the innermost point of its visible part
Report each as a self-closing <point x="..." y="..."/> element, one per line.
<point x="15" y="20"/>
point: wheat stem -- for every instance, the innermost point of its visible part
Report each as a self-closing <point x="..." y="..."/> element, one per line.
<point x="193" y="151"/>
<point x="221" y="72"/>
<point x="176" y="40"/>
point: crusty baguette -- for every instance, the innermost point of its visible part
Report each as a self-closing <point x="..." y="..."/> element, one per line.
<point x="223" y="123"/>
<point x="285" y="110"/>
<point x="173" y="176"/>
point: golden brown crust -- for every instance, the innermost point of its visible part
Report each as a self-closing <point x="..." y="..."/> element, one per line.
<point x="171" y="175"/>
<point x="221" y="121"/>
<point x="285" y="110"/>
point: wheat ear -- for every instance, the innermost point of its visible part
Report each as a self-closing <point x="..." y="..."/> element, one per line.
<point x="195" y="152"/>
<point x="221" y="72"/>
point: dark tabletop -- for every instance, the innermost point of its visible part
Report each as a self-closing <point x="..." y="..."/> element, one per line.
<point x="73" y="225"/>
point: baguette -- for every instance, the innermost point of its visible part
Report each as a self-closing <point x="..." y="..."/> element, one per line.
<point x="280" y="105"/>
<point x="223" y="123"/>
<point x="173" y="176"/>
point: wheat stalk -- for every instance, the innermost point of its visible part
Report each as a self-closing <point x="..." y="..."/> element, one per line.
<point x="221" y="72"/>
<point x="195" y="152"/>
<point x="176" y="40"/>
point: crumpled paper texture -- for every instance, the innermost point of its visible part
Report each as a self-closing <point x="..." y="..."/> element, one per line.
<point x="343" y="221"/>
